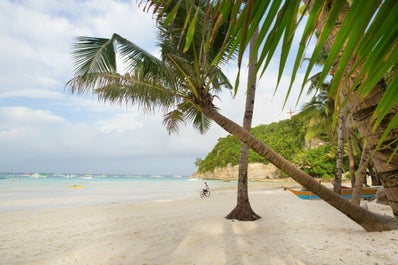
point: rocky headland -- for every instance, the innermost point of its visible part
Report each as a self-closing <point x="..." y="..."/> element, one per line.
<point x="256" y="172"/>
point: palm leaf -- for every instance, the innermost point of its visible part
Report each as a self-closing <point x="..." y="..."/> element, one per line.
<point x="172" y="120"/>
<point x="92" y="55"/>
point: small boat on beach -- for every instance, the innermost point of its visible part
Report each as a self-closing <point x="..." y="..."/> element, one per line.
<point x="346" y="193"/>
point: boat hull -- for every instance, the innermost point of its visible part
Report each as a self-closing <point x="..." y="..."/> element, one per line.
<point x="367" y="193"/>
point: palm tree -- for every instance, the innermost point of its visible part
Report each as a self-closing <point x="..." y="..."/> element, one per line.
<point x="340" y="153"/>
<point x="243" y="210"/>
<point x="186" y="81"/>
<point x="321" y="105"/>
<point x="360" y="179"/>
<point x="319" y="109"/>
<point x="174" y="84"/>
<point x="360" y="40"/>
<point x="364" y="107"/>
<point x="372" y="101"/>
<point x="350" y="149"/>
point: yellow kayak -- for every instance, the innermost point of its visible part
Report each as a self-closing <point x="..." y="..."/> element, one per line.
<point x="76" y="186"/>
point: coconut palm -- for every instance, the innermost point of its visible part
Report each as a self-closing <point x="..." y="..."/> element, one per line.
<point x="184" y="84"/>
<point x="319" y="109"/>
<point x="338" y="174"/>
<point x="365" y="105"/>
<point x="338" y="24"/>
<point x="174" y="84"/>
<point x="243" y="210"/>
<point x="360" y="40"/>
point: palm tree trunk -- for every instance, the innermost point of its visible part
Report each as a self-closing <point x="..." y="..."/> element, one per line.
<point x="362" y="110"/>
<point x="368" y="220"/>
<point x="340" y="153"/>
<point x="387" y="171"/>
<point x="243" y="210"/>
<point x="360" y="179"/>
<point x="373" y="175"/>
<point x="350" y="155"/>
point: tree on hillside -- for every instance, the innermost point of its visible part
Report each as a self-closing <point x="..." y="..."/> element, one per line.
<point x="187" y="77"/>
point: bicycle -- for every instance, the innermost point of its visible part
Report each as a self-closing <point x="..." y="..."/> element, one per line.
<point x="205" y="193"/>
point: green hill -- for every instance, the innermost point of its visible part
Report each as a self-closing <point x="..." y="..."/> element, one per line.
<point x="287" y="137"/>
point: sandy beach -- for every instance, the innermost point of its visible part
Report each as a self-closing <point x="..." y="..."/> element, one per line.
<point x="194" y="231"/>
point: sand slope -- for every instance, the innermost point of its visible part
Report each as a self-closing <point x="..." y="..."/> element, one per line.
<point x="193" y="231"/>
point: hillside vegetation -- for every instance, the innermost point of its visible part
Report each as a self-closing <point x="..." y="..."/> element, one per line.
<point x="287" y="137"/>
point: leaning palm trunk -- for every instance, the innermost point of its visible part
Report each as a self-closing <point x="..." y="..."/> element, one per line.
<point x="243" y="210"/>
<point x="368" y="220"/>
<point x="362" y="110"/>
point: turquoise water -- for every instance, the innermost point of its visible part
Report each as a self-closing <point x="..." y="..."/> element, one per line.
<point x="33" y="191"/>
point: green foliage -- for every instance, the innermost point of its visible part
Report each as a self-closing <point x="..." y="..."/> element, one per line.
<point x="225" y="152"/>
<point x="286" y="137"/>
<point x="318" y="162"/>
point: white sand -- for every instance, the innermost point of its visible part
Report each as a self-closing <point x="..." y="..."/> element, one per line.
<point x="193" y="231"/>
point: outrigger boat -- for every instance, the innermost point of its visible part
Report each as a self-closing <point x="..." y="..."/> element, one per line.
<point x="346" y="193"/>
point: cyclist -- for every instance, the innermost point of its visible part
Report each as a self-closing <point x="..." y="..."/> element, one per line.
<point x="206" y="188"/>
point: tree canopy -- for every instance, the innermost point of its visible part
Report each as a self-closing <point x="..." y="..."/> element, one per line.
<point x="365" y="44"/>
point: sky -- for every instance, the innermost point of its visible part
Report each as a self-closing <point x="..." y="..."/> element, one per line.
<point x="45" y="128"/>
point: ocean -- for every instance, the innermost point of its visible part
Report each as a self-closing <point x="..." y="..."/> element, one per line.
<point x="19" y="191"/>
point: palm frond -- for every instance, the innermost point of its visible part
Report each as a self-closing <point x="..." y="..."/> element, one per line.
<point x="149" y="84"/>
<point x="177" y="81"/>
<point x="135" y="57"/>
<point x="172" y="120"/>
<point x="93" y="55"/>
<point x="198" y="119"/>
<point x="367" y="36"/>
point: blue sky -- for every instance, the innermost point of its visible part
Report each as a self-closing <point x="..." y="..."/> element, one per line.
<point x="44" y="128"/>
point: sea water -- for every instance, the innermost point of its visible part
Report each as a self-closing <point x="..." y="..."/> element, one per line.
<point x="19" y="191"/>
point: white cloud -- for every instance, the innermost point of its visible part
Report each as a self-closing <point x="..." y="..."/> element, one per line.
<point x="45" y="128"/>
<point x="120" y="123"/>
<point x="31" y="93"/>
<point x="23" y="115"/>
<point x="36" y="140"/>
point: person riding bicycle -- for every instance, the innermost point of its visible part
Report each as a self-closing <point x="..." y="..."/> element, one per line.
<point x="206" y="188"/>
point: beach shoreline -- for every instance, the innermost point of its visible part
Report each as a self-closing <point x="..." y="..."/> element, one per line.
<point x="194" y="231"/>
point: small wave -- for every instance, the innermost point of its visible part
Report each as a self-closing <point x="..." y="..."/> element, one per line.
<point x="68" y="176"/>
<point x="37" y="176"/>
<point x="157" y="176"/>
<point x="193" y="179"/>
<point x="134" y="176"/>
<point x="87" y="177"/>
